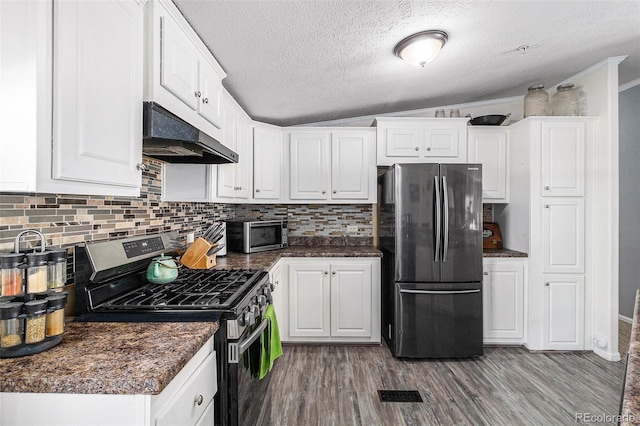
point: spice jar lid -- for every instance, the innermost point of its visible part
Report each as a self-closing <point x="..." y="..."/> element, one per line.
<point x="36" y="259"/>
<point x="35" y="307"/>
<point x="57" y="302"/>
<point x="10" y="261"/>
<point x="57" y="255"/>
<point x="536" y="87"/>
<point x="10" y="310"/>
<point x="565" y="87"/>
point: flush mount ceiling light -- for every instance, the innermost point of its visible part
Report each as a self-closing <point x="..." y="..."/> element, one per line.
<point x="421" y="48"/>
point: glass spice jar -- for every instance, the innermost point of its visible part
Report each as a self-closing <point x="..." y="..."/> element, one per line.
<point x="36" y="272"/>
<point x="11" y="275"/>
<point x="57" y="268"/>
<point x="55" y="314"/>
<point x="35" y="321"/>
<point x="536" y="101"/>
<point x="11" y="322"/>
<point x="566" y="100"/>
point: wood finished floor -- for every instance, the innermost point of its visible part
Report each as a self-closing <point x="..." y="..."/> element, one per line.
<point x="337" y="385"/>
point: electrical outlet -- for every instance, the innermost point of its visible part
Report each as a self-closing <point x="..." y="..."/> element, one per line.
<point x="352" y="228"/>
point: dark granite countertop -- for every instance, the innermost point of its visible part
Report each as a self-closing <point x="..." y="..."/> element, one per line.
<point x="502" y="253"/>
<point x="630" y="414"/>
<point x="108" y="358"/>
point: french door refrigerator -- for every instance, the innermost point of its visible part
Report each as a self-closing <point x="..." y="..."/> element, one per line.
<point x="430" y="229"/>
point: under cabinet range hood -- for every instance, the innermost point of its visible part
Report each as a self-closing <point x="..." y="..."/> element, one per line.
<point x="171" y="139"/>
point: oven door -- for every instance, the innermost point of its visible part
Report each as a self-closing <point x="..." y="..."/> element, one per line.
<point x="247" y="393"/>
<point x="262" y="236"/>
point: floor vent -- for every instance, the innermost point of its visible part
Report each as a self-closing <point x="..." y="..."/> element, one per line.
<point x="399" y="396"/>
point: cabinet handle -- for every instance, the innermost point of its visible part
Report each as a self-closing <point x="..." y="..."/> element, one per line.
<point x="324" y="192"/>
<point x="198" y="94"/>
<point x="428" y="148"/>
<point x="546" y="188"/>
<point x="546" y="206"/>
<point x="417" y="149"/>
<point x="486" y="273"/>
<point x="142" y="167"/>
<point x="257" y="190"/>
<point x="205" y="101"/>
<point x="199" y="399"/>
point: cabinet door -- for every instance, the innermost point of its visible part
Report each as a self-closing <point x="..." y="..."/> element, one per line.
<point x="178" y="63"/>
<point x="227" y="173"/>
<point x="563" y="159"/>
<point x="210" y="90"/>
<point x="490" y="150"/>
<point x="503" y="299"/>
<point x="442" y="142"/>
<point x="244" y="167"/>
<point x="97" y="111"/>
<point x="309" y="168"/>
<point x="350" y="165"/>
<point x="309" y="300"/>
<point x="267" y="164"/>
<point x="563" y="231"/>
<point x="563" y="312"/>
<point x="351" y="300"/>
<point x="403" y="142"/>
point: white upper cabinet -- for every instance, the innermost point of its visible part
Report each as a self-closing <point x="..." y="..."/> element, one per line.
<point x="309" y="166"/>
<point x="421" y="140"/>
<point x="563" y="158"/>
<point x="71" y="97"/>
<point x="331" y="165"/>
<point x="488" y="146"/>
<point x="267" y="165"/>
<point x="182" y="75"/>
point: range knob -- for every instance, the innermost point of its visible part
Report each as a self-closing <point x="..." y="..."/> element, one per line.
<point x="262" y="300"/>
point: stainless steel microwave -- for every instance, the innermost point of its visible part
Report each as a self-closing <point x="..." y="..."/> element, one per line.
<point x="251" y="236"/>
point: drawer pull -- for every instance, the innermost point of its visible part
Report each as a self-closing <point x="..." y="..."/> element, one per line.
<point x="199" y="400"/>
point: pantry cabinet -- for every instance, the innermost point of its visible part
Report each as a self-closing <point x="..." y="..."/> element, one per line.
<point x="187" y="400"/>
<point x="504" y="298"/>
<point x="331" y="300"/>
<point x="421" y="140"/>
<point x="183" y="76"/>
<point x="488" y="146"/>
<point x="74" y="111"/>
<point x="549" y="217"/>
<point x="331" y="165"/>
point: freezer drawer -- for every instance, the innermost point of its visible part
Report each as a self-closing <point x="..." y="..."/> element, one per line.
<point x="440" y="320"/>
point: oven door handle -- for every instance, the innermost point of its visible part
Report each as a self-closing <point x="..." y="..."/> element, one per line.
<point x="242" y="347"/>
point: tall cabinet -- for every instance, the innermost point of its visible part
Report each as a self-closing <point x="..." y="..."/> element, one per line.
<point x="549" y="217"/>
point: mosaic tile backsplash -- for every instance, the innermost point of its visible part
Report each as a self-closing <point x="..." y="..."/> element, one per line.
<point x="70" y="219"/>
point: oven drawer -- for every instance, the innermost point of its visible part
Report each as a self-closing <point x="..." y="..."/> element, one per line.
<point x="193" y="398"/>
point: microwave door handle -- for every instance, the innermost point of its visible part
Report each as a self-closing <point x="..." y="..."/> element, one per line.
<point x="436" y="190"/>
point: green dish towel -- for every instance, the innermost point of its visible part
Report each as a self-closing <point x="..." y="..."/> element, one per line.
<point x="270" y="345"/>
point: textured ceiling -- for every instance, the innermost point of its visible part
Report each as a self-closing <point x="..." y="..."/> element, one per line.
<point x="296" y="62"/>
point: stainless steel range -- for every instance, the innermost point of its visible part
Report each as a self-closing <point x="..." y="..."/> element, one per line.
<point x="111" y="286"/>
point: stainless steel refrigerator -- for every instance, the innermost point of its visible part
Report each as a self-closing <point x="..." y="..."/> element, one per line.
<point x="430" y="228"/>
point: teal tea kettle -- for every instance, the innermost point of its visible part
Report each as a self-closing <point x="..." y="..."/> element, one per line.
<point x="162" y="270"/>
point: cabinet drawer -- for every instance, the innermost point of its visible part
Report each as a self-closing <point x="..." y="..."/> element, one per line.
<point x="191" y="401"/>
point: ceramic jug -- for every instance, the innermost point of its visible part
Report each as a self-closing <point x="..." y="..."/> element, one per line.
<point x="162" y="270"/>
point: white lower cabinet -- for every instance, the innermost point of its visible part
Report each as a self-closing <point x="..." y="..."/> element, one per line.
<point x="187" y="400"/>
<point x="331" y="300"/>
<point x="504" y="299"/>
<point x="563" y="317"/>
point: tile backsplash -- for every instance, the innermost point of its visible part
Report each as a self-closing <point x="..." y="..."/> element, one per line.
<point x="69" y="219"/>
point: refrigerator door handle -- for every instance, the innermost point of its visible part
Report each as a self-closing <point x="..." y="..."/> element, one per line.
<point x="445" y="207"/>
<point x="439" y="292"/>
<point x="438" y="225"/>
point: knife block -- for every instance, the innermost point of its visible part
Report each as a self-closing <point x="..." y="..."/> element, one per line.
<point x="196" y="256"/>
